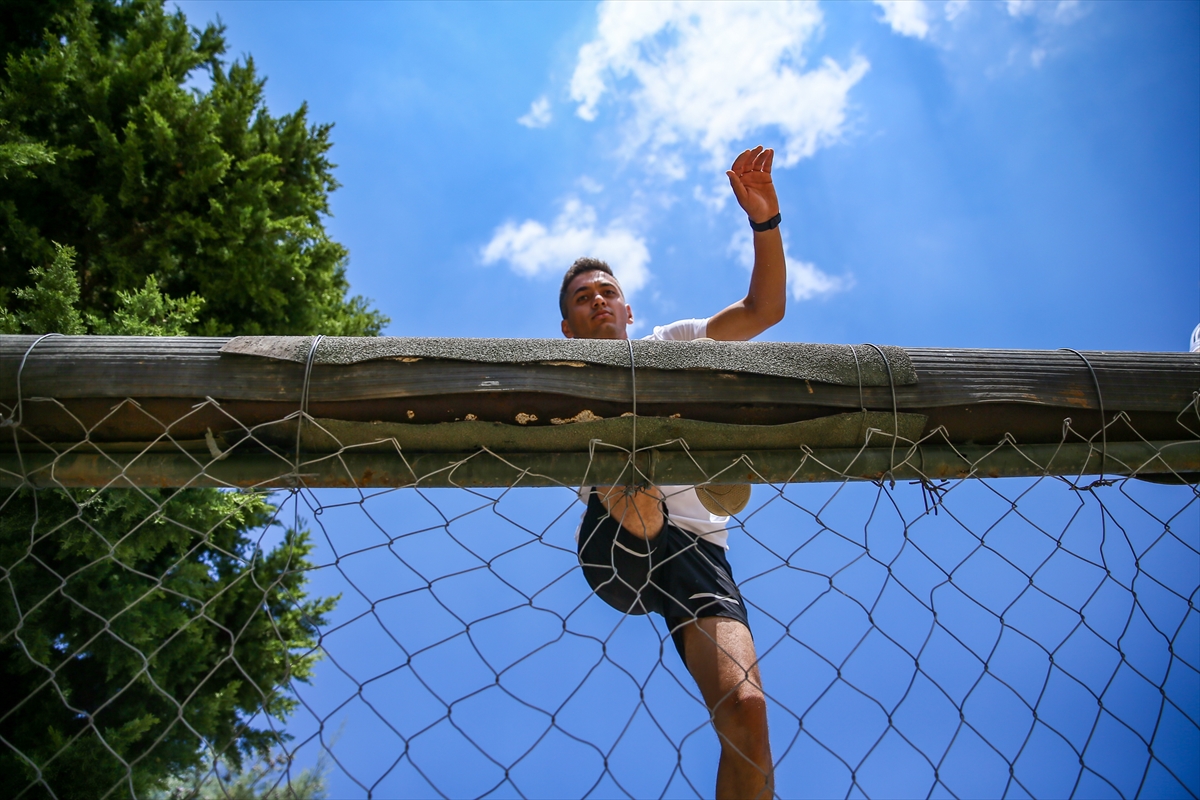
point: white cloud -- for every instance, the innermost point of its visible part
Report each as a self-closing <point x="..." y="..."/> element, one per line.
<point x="1009" y="35"/>
<point x="539" y="115"/>
<point x="1063" y="12"/>
<point x="1044" y="28"/>
<point x="804" y="280"/>
<point x="531" y="249"/>
<point x="714" y="198"/>
<point x="1020" y="8"/>
<point x="590" y="185"/>
<point x="710" y="75"/>
<point x="907" y="17"/>
<point x="1067" y="11"/>
<point x="953" y="8"/>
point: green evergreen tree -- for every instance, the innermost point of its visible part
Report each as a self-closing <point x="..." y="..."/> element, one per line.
<point x="272" y="777"/>
<point x="105" y="148"/>
<point x="143" y="631"/>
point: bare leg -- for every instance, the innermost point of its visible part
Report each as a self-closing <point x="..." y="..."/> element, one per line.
<point x="721" y="658"/>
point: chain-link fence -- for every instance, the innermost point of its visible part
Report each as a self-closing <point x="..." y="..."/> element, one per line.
<point x="917" y="636"/>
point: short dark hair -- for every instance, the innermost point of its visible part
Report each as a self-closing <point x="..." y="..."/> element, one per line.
<point x="580" y="266"/>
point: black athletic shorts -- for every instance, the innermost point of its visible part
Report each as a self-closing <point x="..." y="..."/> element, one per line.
<point x="676" y="574"/>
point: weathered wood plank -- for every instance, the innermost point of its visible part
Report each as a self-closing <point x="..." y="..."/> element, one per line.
<point x="116" y="367"/>
<point x="347" y="470"/>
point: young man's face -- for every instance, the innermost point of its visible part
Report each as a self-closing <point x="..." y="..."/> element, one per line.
<point x="596" y="308"/>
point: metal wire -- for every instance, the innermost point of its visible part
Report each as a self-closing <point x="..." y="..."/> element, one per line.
<point x="14" y="419"/>
<point x="895" y="405"/>
<point x="1022" y="639"/>
<point x="1103" y="417"/>
<point x="308" y="363"/>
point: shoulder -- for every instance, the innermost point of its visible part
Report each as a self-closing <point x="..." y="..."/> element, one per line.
<point x="684" y="330"/>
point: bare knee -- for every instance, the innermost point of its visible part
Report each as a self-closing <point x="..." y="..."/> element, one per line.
<point x="741" y="721"/>
<point x="637" y="510"/>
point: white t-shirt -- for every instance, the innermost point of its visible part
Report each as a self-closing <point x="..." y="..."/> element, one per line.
<point x="683" y="504"/>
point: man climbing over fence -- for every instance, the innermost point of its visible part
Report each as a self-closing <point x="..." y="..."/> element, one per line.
<point x="659" y="548"/>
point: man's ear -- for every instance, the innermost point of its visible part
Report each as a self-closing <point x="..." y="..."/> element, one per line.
<point x="566" y="329"/>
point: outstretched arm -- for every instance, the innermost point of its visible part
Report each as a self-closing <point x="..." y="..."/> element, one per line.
<point x="764" y="303"/>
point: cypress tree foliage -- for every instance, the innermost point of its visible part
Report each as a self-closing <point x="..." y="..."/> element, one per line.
<point x="105" y="148"/>
<point x="145" y="634"/>
<point x="142" y="631"/>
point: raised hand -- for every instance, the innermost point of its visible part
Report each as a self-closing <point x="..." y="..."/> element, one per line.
<point x="766" y="300"/>
<point x="750" y="177"/>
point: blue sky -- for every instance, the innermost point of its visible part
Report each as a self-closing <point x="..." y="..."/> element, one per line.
<point x="1021" y="175"/>
<point x="1008" y="174"/>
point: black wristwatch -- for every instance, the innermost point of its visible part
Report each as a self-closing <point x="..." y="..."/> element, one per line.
<point x="770" y="224"/>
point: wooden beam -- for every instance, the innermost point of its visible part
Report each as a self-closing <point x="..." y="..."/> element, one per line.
<point x="1171" y="460"/>
<point x="134" y="389"/>
<point x="118" y="367"/>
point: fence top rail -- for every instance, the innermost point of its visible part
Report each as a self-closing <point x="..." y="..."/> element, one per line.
<point x="220" y="386"/>
<point x="129" y="400"/>
<point x="868" y="365"/>
<point x="133" y="366"/>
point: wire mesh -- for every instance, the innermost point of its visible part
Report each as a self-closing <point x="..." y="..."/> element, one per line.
<point x="978" y="637"/>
